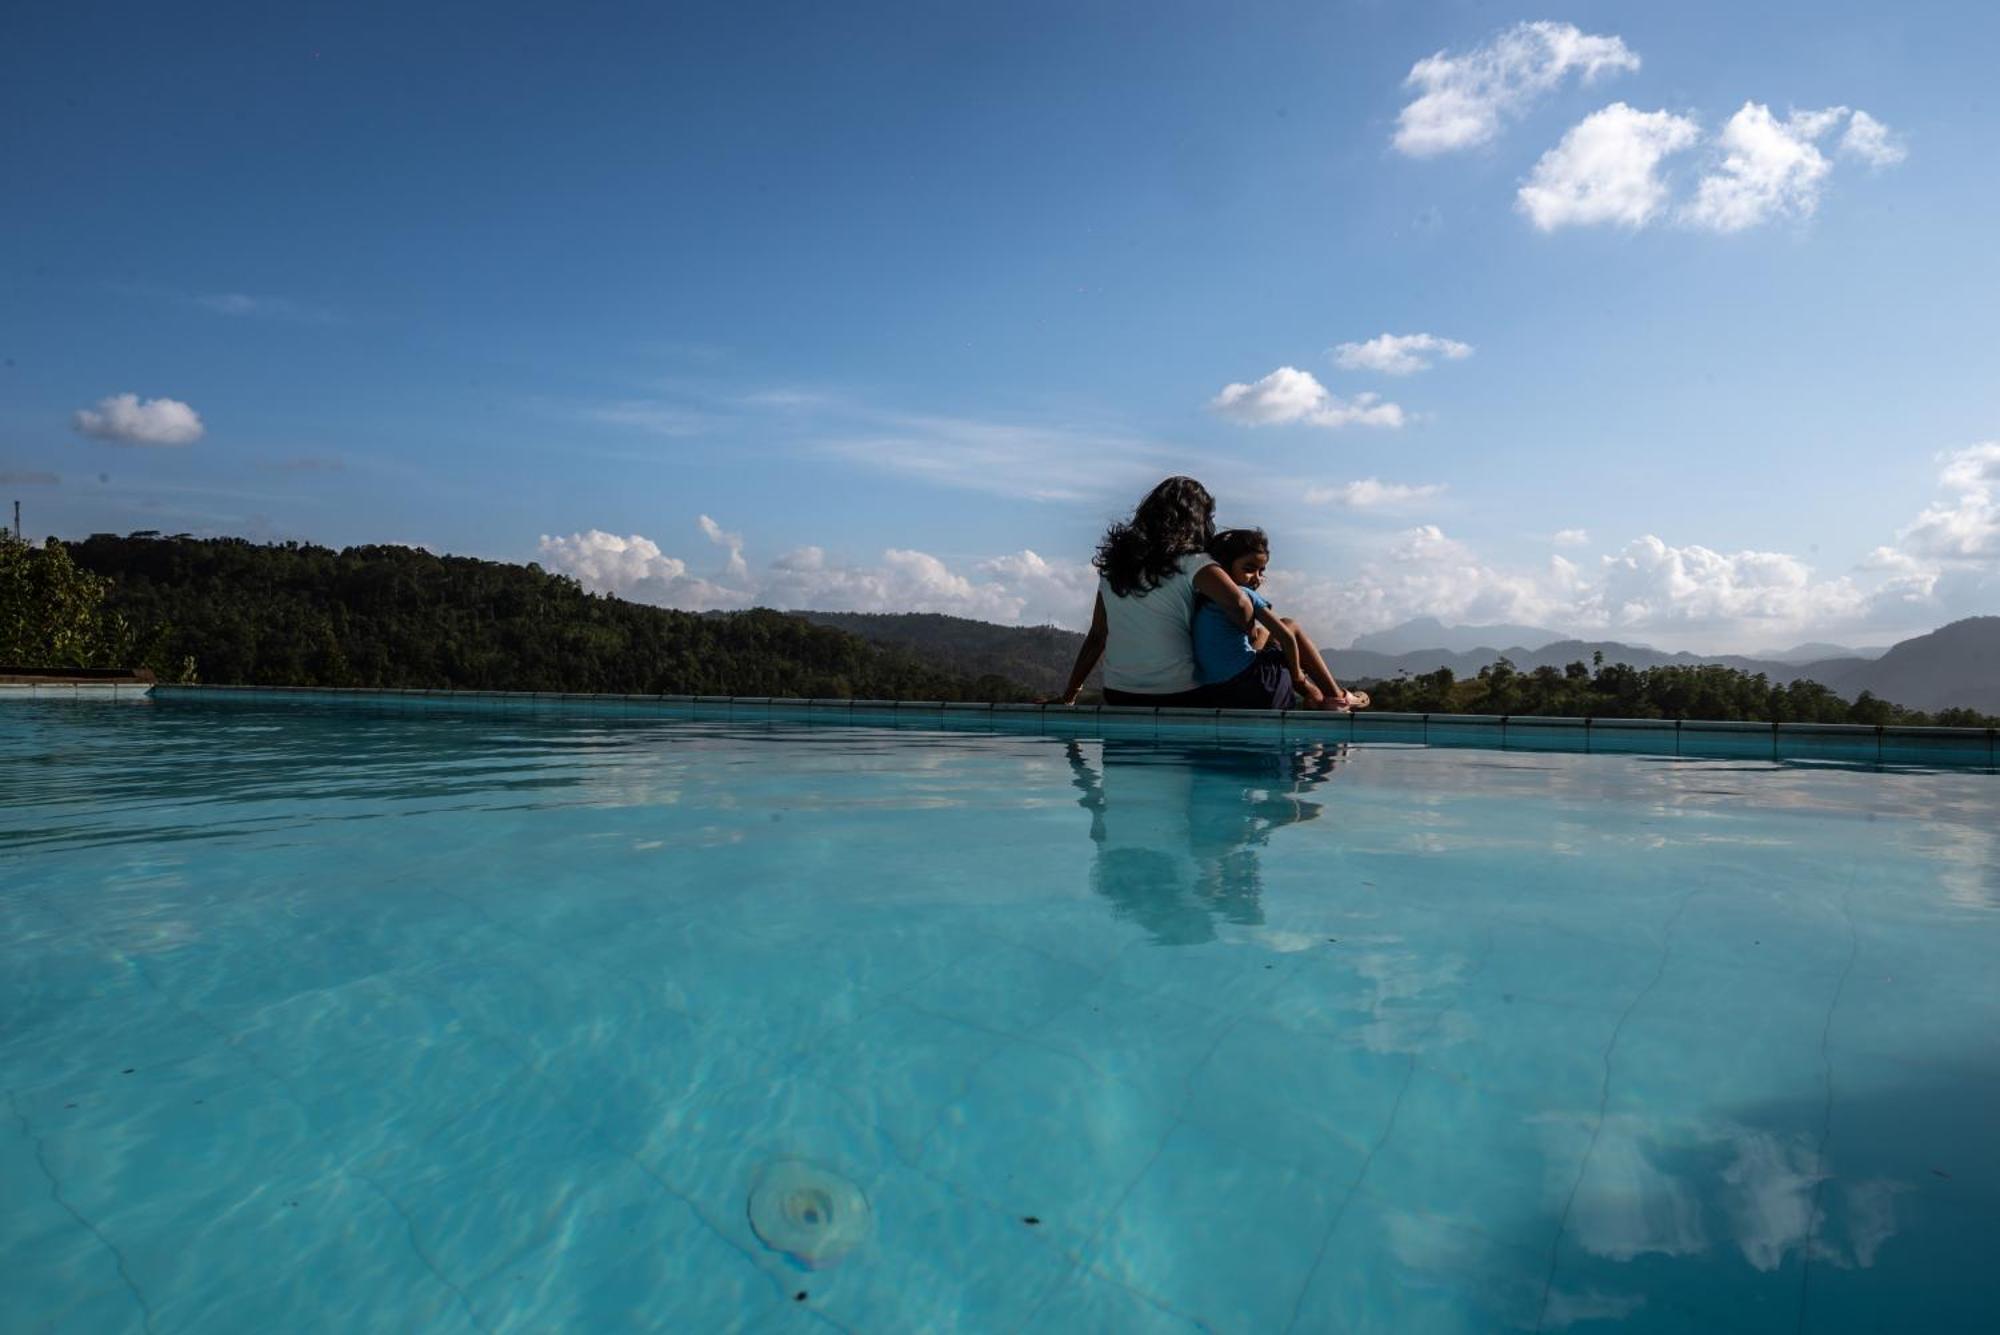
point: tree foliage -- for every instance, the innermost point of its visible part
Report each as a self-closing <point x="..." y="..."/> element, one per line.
<point x="53" y="614"/>
<point x="1616" y="690"/>
<point x="298" y="614"/>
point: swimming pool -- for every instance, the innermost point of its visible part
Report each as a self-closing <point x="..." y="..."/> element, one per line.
<point x="316" y="1019"/>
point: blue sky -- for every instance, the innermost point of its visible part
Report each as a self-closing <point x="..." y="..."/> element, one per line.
<point x="892" y="307"/>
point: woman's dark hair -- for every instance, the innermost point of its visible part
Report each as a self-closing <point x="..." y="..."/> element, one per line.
<point x="1232" y="544"/>
<point x="1177" y="517"/>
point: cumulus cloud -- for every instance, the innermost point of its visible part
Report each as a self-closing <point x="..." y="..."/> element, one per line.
<point x="124" y="419"/>
<point x="1606" y="169"/>
<point x="1649" y="589"/>
<point x="1571" y="537"/>
<point x="1769" y="169"/>
<point x="634" y="567"/>
<point x="1655" y="585"/>
<point x="1399" y="354"/>
<point x="1291" y="395"/>
<point x="1021" y="588"/>
<point x="1872" y="141"/>
<point x="1463" y="99"/>
<point x="1965" y="527"/>
<point x="1370" y="493"/>
<point x="737" y="568"/>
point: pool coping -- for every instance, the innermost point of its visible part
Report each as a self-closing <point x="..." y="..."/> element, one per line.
<point x="1977" y="748"/>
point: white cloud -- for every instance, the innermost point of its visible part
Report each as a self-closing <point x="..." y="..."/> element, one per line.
<point x="1872" y="141"/>
<point x="1607" y="167"/>
<point x="1967" y="526"/>
<point x="1291" y="395"/>
<point x="1653" y="585"/>
<point x="1688" y="595"/>
<point x="1571" y="537"/>
<point x="1421" y="572"/>
<point x="1769" y="169"/>
<point x="1399" y="354"/>
<point x="635" y="567"/>
<point x="1021" y="588"/>
<point x="1370" y="493"/>
<point x="731" y="542"/>
<point x="1043" y="463"/>
<point x="1463" y="98"/>
<point x="125" y="420"/>
<point x="1605" y="170"/>
<point x="1974" y="468"/>
<point x="654" y="417"/>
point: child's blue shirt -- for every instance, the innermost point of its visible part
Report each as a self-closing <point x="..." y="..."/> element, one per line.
<point x="1222" y="648"/>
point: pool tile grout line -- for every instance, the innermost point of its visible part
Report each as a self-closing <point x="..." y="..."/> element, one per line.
<point x="1604" y="1102"/>
<point x="1388" y="1129"/>
<point x="56" y="1195"/>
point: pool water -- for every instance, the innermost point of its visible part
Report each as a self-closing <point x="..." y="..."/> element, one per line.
<point x="318" y="1020"/>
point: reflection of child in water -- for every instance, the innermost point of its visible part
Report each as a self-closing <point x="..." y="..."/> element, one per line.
<point x="1222" y="649"/>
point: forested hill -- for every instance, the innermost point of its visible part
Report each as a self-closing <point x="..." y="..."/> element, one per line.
<point x="1039" y="657"/>
<point x="296" y="614"/>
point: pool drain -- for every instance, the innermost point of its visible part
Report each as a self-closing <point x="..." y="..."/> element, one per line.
<point x="812" y="1215"/>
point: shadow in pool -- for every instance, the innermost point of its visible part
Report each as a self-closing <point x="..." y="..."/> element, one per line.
<point x="1178" y="829"/>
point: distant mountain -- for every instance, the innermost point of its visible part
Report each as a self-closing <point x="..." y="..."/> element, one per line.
<point x="1818" y="652"/>
<point x="1360" y="663"/>
<point x="1430" y="633"/>
<point x="1954" y="665"/>
<point x="1957" y="666"/>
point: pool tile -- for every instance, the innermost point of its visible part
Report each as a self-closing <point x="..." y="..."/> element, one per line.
<point x="388" y="1099"/>
<point x="899" y="1069"/>
<point x="1090" y="1302"/>
<point x="1470" y="1157"/>
<point x="1220" y="1233"/>
<point x="1007" y="989"/>
<point x="1149" y="1042"/>
<point x="1041" y="1134"/>
<point x="1389" y="1271"/>
<point x="1296" y="1098"/>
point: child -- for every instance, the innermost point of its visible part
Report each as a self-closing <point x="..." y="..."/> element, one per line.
<point x="1222" y="648"/>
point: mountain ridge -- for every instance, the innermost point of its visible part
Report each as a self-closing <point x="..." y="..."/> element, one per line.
<point x="1955" y="666"/>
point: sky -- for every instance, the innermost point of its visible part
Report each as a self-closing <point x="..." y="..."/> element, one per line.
<point x="1673" y="324"/>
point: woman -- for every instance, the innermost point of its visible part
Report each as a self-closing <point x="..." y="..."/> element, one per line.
<point x="1151" y="569"/>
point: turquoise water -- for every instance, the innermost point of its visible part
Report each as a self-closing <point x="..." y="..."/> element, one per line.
<point x="313" y="1020"/>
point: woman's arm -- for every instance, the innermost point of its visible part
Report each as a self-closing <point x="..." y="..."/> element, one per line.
<point x="1213" y="583"/>
<point x="1087" y="653"/>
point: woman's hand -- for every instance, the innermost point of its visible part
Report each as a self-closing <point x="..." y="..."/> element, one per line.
<point x="1308" y="692"/>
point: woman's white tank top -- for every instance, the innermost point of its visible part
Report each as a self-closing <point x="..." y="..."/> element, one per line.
<point x="1149" y="640"/>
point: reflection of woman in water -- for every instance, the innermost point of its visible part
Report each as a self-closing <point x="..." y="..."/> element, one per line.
<point x="1177" y="828"/>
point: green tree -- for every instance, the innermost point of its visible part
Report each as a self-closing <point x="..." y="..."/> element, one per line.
<point x="52" y="613"/>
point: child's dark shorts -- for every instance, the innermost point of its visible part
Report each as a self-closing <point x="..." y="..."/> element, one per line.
<point x="1265" y="684"/>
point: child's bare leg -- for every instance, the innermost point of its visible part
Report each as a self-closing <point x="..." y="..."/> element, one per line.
<point x="1312" y="662"/>
<point x="1260" y="635"/>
